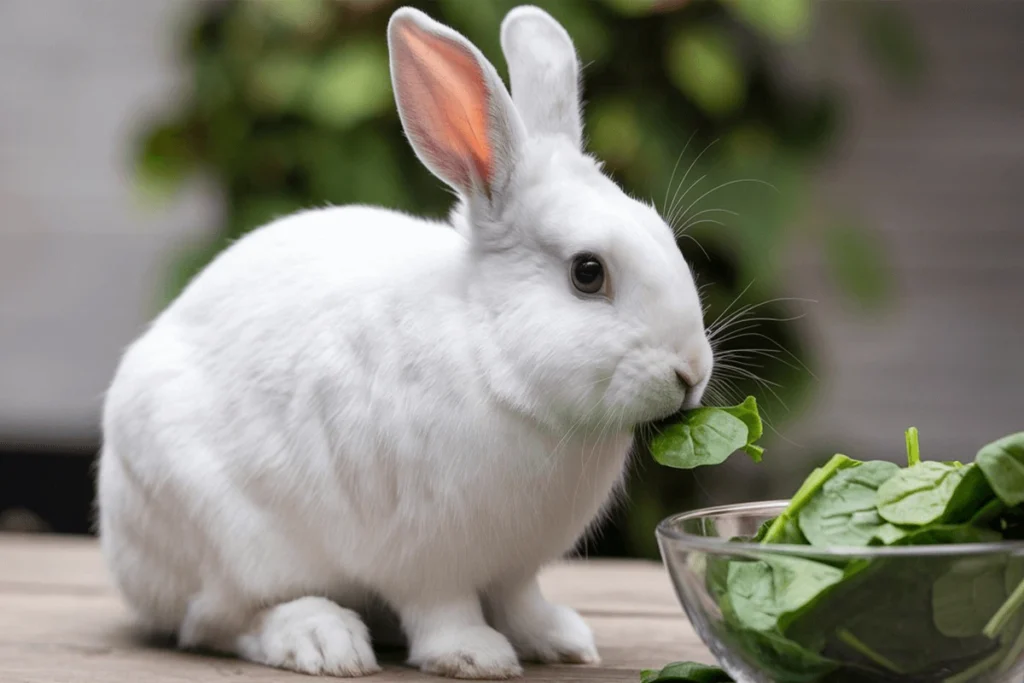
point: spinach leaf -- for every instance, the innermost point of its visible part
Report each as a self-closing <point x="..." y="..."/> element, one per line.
<point x="779" y="658"/>
<point x="685" y="672"/>
<point x="968" y="595"/>
<point x="805" y="493"/>
<point x="789" y="533"/>
<point x="887" y="534"/>
<point x="843" y="512"/>
<point x="971" y="495"/>
<point x="882" y="617"/>
<point x="708" y="436"/>
<point x="933" y="492"/>
<point x="944" y="534"/>
<point x="1002" y="461"/>
<point x="748" y="414"/>
<point x="918" y="495"/>
<point x="988" y="513"/>
<point x="763" y="593"/>
<point x="716" y="575"/>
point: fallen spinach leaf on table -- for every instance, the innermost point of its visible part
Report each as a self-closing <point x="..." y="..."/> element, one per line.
<point x="685" y="672"/>
<point x="708" y="436"/>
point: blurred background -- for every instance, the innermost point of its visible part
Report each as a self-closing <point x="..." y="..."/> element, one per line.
<point x="851" y="175"/>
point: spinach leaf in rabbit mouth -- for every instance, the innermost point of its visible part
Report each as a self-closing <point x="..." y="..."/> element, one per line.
<point x="709" y="435"/>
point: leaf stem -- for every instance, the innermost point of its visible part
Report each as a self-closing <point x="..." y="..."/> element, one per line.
<point x="861" y="647"/>
<point x="970" y="673"/>
<point x="1005" y="611"/>
<point x="988" y="513"/>
<point x="1013" y="654"/>
<point x="913" y="447"/>
<point x="804" y="494"/>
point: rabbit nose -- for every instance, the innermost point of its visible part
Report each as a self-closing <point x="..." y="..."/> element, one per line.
<point x="685" y="379"/>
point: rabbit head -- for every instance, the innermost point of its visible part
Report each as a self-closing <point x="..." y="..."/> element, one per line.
<point x="582" y="307"/>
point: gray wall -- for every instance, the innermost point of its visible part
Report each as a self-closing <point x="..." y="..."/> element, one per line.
<point x="941" y="175"/>
<point x="79" y="254"/>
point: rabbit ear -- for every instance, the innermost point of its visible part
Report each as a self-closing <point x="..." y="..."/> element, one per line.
<point x="456" y="112"/>
<point x="544" y="72"/>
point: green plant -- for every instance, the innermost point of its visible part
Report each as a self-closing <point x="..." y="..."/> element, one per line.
<point x="289" y="106"/>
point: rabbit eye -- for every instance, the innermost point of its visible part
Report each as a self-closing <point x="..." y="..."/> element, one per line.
<point x="587" y="274"/>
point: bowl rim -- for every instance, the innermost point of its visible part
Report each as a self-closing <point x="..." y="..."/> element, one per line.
<point x="667" y="531"/>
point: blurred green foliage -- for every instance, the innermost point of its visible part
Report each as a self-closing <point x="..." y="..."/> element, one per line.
<point x="290" y="106"/>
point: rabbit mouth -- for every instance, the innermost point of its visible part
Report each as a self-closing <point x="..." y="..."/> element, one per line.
<point x="659" y="422"/>
<point x="645" y="432"/>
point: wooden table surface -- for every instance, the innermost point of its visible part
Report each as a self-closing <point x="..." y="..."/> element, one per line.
<point x="62" y="622"/>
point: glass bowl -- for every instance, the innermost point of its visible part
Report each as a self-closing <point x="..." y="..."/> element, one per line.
<point x="792" y="613"/>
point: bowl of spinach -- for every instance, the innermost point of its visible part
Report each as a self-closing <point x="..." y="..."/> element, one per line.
<point x="872" y="571"/>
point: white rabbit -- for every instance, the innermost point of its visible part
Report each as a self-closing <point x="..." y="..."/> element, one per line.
<point x="353" y="408"/>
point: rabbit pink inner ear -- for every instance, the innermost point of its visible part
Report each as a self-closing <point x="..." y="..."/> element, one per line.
<point x="445" y="100"/>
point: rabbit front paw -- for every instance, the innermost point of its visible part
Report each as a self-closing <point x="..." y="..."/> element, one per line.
<point x="552" y="634"/>
<point x="541" y="631"/>
<point x="478" y="652"/>
<point x="451" y="638"/>
<point x="310" y="635"/>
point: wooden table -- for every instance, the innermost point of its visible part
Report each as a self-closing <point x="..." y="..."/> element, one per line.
<point x="61" y="622"/>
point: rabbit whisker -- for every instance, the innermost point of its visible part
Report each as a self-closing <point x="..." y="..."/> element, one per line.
<point x="724" y="185"/>
<point x="675" y="198"/>
<point x="715" y="322"/>
<point x="668" y="188"/>
<point x="694" y="240"/>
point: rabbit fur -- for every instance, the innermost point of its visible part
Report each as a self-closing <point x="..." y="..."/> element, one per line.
<point x="353" y="410"/>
